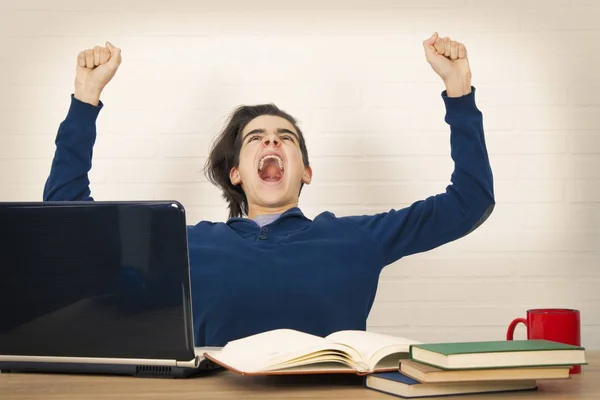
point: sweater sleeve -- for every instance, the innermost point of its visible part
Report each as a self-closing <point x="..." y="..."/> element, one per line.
<point x="68" y="179"/>
<point x="466" y="203"/>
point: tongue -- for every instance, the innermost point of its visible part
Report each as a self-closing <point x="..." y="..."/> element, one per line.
<point x="270" y="171"/>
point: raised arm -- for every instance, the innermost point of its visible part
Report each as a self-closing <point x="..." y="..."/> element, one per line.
<point x="68" y="179"/>
<point x="469" y="200"/>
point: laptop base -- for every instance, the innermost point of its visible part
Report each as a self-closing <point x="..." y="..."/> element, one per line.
<point x="140" y="371"/>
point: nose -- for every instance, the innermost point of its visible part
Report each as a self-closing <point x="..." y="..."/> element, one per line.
<point x="269" y="140"/>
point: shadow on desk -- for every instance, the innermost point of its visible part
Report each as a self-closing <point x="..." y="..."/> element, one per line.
<point x="293" y="381"/>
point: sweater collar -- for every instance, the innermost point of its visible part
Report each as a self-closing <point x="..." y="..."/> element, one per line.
<point x="291" y="213"/>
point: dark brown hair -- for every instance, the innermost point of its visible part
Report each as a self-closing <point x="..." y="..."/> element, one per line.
<point x="225" y="153"/>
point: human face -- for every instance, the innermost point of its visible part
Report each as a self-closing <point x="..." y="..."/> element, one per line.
<point x="270" y="169"/>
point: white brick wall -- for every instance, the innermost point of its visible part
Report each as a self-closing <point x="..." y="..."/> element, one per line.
<point x="354" y="74"/>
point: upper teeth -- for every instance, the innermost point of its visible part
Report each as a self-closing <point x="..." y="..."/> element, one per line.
<point x="270" y="156"/>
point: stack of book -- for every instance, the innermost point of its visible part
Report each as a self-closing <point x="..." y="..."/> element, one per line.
<point x="442" y="369"/>
<point x="401" y="366"/>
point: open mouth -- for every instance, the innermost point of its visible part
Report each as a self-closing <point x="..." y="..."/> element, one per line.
<point x="270" y="168"/>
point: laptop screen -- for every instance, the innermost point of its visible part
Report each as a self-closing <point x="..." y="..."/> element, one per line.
<point x="95" y="279"/>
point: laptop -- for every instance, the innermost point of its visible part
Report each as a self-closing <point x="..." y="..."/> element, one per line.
<point x="97" y="287"/>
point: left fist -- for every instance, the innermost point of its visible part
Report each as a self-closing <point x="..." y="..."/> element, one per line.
<point x="448" y="58"/>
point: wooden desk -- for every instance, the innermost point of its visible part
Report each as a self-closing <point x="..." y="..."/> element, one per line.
<point x="227" y="385"/>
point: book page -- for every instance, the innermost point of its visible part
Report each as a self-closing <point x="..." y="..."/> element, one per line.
<point x="324" y="366"/>
<point x="371" y="345"/>
<point x="318" y="359"/>
<point x="263" y="350"/>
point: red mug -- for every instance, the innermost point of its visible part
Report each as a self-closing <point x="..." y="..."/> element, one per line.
<point x="555" y="324"/>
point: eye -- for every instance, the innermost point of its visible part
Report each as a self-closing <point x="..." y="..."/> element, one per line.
<point x="287" y="137"/>
<point x="253" y="137"/>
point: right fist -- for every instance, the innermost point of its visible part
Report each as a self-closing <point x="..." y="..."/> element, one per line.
<point x="95" y="68"/>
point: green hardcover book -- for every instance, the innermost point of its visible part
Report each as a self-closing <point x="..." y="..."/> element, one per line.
<point x="497" y="354"/>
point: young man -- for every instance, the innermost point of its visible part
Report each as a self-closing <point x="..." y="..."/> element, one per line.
<point x="269" y="266"/>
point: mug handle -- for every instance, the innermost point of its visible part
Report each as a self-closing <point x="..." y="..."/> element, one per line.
<point x="511" y="328"/>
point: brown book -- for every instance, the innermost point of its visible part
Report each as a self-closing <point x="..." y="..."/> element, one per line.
<point x="429" y="374"/>
<point x="286" y="351"/>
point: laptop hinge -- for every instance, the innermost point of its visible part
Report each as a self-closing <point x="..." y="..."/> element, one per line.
<point x="87" y="360"/>
<point x="189" y="364"/>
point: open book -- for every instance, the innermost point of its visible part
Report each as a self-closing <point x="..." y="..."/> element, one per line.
<point x="286" y="351"/>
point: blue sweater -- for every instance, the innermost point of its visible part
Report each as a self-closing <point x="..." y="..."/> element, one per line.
<point x="318" y="276"/>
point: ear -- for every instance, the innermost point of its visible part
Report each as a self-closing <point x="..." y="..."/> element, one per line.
<point x="234" y="176"/>
<point x="307" y="176"/>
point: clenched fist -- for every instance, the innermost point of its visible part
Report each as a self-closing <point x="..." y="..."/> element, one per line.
<point x="95" y="68"/>
<point x="448" y="58"/>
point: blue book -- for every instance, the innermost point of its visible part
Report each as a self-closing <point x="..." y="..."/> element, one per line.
<point x="398" y="384"/>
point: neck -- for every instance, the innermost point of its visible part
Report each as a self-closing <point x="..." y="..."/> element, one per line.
<point x="257" y="210"/>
